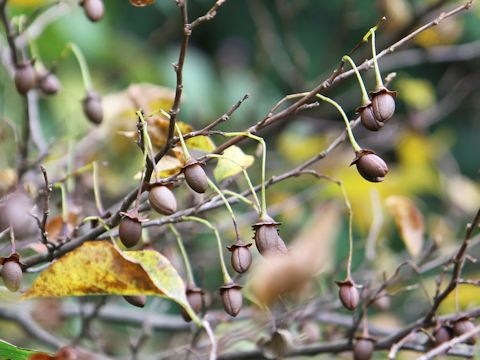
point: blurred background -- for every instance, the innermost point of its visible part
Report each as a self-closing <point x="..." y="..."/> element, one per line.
<point x="268" y="49"/>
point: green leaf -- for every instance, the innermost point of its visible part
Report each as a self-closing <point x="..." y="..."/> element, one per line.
<point x="11" y="352"/>
<point x="235" y="160"/>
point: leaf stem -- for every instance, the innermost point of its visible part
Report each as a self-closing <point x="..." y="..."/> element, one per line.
<point x="87" y="80"/>
<point x="148" y="147"/>
<point x="63" y="193"/>
<point x="227" y="205"/>
<point x="186" y="153"/>
<point x="96" y="189"/>
<point x="365" y="98"/>
<point x="242" y="198"/>
<point x="183" y="252"/>
<point x="378" y="76"/>
<point x="226" y="276"/>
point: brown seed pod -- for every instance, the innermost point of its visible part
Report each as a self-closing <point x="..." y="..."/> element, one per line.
<point x="348" y="294"/>
<point x="232" y="298"/>
<point x="442" y="335"/>
<point x="266" y="237"/>
<point x="363" y="348"/>
<point x="382" y="301"/>
<point x="370" y="166"/>
<point x="94" y="9"/>
<point x="462" y="326"/>
<point x="195" y="297"/>
<point x="49" y="83"/>
<point x="92" y="107"/>
<point x="195" y="176"/>
<point x="368" y="119"/>
<point x="15" y="212"/>
<point x="130" y="230"/>
<point x="383" y="103"/>
<point x="25" y="77"/>
<point x="241" y="256"/>
<point x="12" y="275"/>
<point x="136" y="300"/>
<point x="162" y="200"/>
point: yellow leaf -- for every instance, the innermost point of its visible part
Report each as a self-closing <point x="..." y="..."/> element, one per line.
<point x="409" y="222"/>
<point x="26" y="3"/>
<point x="417" y="93"/>
<point x="8" y="179"/>
<point x="226" y="168"/>
<point x="201" y="143"/>
<point x="446" y="33"/>
<point x="98" y="268"/>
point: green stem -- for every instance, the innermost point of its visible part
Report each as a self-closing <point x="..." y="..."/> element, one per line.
<point x="186" y="153"/>
<point x="87" y="80"/>
<point x="226" y="276"/>
<point x="183" y="252"/>
<point x="365" y="98"/>
<point x="245" y="173"/>
<point x="242" y="198"/>
<point x="227" y="205"/>
<point x="147" y="143"/>
<point x="264" y="160"/>
<point x="378" y="76"/>
<point x="104" y="224"/>
<point x="63" y="193"/>
<point x="350" y="230"/>
<point x="96" y="189"/>
<point x="354" y="143"/>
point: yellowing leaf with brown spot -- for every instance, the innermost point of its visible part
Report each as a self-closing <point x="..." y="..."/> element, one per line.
<point x="98" y="268"/>
<point x="235" y="160"/>
<point x="409" y="221"/>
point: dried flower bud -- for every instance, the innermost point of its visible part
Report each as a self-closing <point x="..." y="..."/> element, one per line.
<point x="136" y="300"/>
<point x="12" y="275"/>
<point x="232" y="298"/>
<point x="383" y="103"/>
<point x="241" y="257"/>
<point x="92" y="107"/>
<point x="266" y="237"/>
<point x="442" y="335"/>
<point x="130" y="230"/>
<point x="348" y="294"/>
<point x="370" y="166"/>
<point x="363" y="348"/>
<point x="25" y="77"/>
<point x="162" y="200"/>
<point x="94" y="9"/>
<point x="368" y="119"/>
<point x="195" y="297"/>
<point x="462" y="326"/>
<point x="195" y="176"/>
<point x="49" y="83"/>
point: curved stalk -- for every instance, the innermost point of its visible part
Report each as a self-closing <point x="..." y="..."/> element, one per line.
<point x="378" y="76"/>
<point x="227" y="205"/>
<point x="365" y="98"/>
<point x="87" y="79"/>
<point x="242" y="199"/>
<point x="183" y="252"/>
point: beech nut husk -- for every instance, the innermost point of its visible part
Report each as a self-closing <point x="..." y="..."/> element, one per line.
<point x="368" y="118"/>
<point x="25" y="77"/>
<point x="94" y="9"/>
<point x="383" y="103"/>
<point x="370" y="166"/>
<point x="267" y="239"/>
<point x="195" y="176"/>
<point x="348" y="294"/>
<point x="162" y="200"/>
<point x="130" y="231"/>
<point x="442" y="335"/>
<point x="12" y="275"/>
<point x="462" y="326"/>
<point x="136" y="300"/>
<point x="363" y="348"/>
<point x="92" y="107"/>
<point x="241" y="256"/>
<point x="195" y="297"/>
<point x="231" y="298"/>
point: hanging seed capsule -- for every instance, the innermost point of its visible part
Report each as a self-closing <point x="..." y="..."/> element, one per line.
<point x="266" y="237"/>
<point x="348" y="294"/>
<point x="25" y="77"/>
<point x="232" y="298"/>
<point x="370" y="166"/>
<point x="241" y="256"/>
<point x="49" y="83"/>
<point x="12" y="275"/>
<point x="195" y="297"/>
<point x="462" y="326"/>
<point x="92" y="107"/>
<point x="442" y="335"/>
<point x="94" y="9"/>
<point x="383" y="103"/>
<point x="195" y="176"/>
<point x="136" y="300"/>
<point x="382" y="301"/>
<point x="162" y="200"/>
<point x="363" y="348"/>
<point x="130" y="230"/>
<point x="368" y="118"/>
